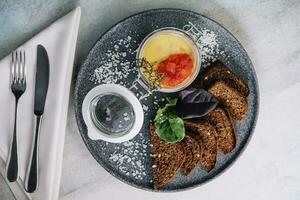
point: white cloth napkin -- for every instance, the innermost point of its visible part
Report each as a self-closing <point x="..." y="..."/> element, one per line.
<point x="59" y="39"/>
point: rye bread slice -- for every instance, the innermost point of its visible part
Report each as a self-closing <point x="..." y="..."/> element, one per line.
<point x="192" y="154"/>
<point x="222" y="122"/>
<point x="166" y="158"/>
<point x="205" y="134"/>
<point x="235" y="102"/>
<point x="219" y="72"/>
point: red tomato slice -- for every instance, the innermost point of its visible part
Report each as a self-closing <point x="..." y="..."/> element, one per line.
<point x="171" y="67"/>
<point x="176" y="69"/>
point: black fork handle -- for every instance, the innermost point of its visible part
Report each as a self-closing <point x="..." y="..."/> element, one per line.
<point x="31" y="180"/>
<point x="12" y="164"/>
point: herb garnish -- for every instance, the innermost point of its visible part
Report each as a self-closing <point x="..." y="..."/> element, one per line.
<point x="169" y="127"/>
<point x="195" y="103"/>
<point x="152" y="77"/>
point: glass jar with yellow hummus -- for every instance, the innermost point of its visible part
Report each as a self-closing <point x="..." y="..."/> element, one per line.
<point x="173" y="56"/>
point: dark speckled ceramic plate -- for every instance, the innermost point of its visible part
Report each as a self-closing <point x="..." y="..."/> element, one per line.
<point x="110" y="61"/>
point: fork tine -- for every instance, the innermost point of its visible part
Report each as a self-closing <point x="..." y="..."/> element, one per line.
<point x="17" y="67"/>
<point x="21" y="67"/>
<point x="24" y="67"/>
<point x="12" y="69"/>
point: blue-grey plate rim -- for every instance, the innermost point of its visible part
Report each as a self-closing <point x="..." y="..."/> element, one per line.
<point x="224" y="167"/>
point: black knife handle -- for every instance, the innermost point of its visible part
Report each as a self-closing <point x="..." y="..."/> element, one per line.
<point x="31" y="180"/>
<point x="12" y="164"/>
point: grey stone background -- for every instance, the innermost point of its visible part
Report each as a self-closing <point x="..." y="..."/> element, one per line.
<point x="22" y="19"/>
<point x="269" y="30"/>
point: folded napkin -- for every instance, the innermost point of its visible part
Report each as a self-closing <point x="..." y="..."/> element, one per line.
<point x="60" y="41"/>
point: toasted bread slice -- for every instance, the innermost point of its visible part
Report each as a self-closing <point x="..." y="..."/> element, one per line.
<point x="192" y="154"/>
<point x="221" y="120"/>
<point x="231" y="99"/>
<point x="167" y="159"/>
<point x="205" y="134"/>
<point x="219" y="72"/>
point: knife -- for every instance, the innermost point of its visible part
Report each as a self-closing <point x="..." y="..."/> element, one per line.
<point x="41" y="88"/>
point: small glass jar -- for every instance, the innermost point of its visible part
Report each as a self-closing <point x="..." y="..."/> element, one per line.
<point x="196" y="56"/>
<point x="112" y="113"/>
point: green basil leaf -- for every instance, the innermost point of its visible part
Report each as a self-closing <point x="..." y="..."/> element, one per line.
<point x="171" y="102"/>
<point x="177" y="126"/>
<point x="169" y="127"/>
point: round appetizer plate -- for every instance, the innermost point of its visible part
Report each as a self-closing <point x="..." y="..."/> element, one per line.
<point x="112" y="60"/>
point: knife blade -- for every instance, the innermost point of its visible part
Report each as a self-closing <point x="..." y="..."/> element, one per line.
<point x="41" y="81"/>
<point x="41" y="88"/>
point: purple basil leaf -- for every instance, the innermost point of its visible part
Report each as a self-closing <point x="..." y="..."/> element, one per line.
<point x="195" y="103"/>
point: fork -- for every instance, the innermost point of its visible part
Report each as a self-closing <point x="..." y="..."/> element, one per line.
<point x="18" y="87"/>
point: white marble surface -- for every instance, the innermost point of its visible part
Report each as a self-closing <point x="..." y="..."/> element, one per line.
<point x="269" y="168"/>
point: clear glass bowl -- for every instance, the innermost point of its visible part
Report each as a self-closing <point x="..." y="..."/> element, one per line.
<point x="112" y="113"/>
